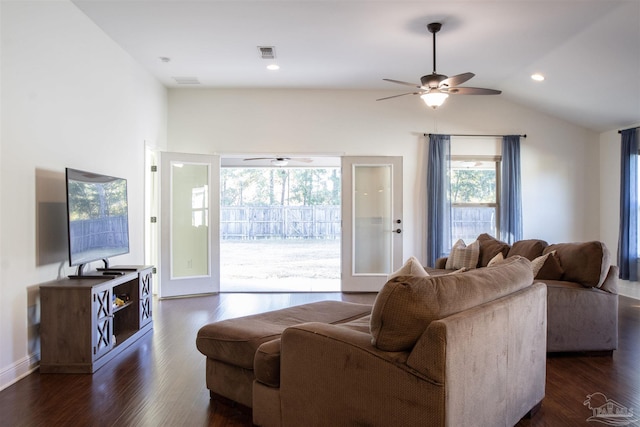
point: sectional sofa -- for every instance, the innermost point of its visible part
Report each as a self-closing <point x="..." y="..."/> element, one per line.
<point x="581" y="287"/>
<point x="446" y="350"/>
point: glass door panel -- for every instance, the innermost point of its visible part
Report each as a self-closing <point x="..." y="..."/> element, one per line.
<point x="190" y="240"/>
<point x="372" y="251"/>
<point x="189" y="217"/>
<point x="372" y="221"/>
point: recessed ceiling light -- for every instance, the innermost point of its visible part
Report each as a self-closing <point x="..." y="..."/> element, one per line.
<point x="273" y="67"/>
<point x="537" y="77"/>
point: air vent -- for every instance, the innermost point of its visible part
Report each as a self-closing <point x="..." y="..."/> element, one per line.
<point x="267" y="52"/>
<point x="187" y="80"/>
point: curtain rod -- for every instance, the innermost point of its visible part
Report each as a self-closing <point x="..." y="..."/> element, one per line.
<point x="476" y="136"/>
<point x="637" y="127"/>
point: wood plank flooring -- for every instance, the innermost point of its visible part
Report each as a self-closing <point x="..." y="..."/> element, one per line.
<point x="160" y="381"/>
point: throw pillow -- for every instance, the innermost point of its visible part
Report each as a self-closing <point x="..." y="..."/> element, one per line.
<point x="537" y="263"/>
<point x="463" y="256"/>
<point x="459" y="244"/>
<point x="411" y="267"/>
<point x="551" y="269"/>
<point x="496" y="260"/>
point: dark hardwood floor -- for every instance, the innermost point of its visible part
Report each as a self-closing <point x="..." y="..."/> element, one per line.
<point x="160" y="380"/>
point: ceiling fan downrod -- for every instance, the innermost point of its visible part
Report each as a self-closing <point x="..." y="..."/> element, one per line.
<point x="433" y="28"/>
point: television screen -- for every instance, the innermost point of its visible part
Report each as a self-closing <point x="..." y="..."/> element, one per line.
<point x="97" y="212"/>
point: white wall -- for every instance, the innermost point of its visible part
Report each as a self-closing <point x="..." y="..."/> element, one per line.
<point x="610" y="190"/>
<point x="559" y="160"/>
<point x="70" y="97"/>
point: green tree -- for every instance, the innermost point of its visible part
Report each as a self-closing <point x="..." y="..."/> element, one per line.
<point x="272" y="187"/>
<point x="473" y="186"/>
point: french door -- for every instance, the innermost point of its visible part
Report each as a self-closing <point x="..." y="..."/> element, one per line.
<point x="371" y="221"/>
<point x="189" y="224"/>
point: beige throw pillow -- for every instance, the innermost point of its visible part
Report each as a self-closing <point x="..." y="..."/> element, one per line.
<point x="463" y="256"/>
<point x="411" y="267"/>
<point x="537" y="263"/>
<point x="496" y="260"/>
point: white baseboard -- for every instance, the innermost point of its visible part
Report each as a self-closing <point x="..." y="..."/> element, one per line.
<point x="19" y="370"/>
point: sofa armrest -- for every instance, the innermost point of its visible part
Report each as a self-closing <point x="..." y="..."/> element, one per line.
<point x="496" y="350"/>
<point x="333" y="375"/>
<point x="610" y="283"/>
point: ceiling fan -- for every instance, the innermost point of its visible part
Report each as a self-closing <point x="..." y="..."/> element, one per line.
<point x="434" y="88"/>
<point x="281" y="161"/>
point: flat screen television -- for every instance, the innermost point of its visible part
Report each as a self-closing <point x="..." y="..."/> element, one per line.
<point x="98" y="217"/>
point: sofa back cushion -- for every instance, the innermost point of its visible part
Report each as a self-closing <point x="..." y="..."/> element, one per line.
<point x="530" y="248"/>
<point x="586" y="263"/>
<point x="406" y="305"/>
<point x="489" y="248"/>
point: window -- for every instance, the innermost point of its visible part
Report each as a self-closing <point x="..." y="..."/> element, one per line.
<point x="475" y="196"/>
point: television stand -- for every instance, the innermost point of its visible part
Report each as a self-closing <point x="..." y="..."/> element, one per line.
<point x="87" y="321"/>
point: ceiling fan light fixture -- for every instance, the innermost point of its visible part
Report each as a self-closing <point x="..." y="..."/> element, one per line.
<point x="434" y="98"/>
<point x="279" y="162"/>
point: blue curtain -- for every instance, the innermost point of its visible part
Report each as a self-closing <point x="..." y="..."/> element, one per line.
<point x="628" y="239"/>
<point x="438" y="198"/>
<point x="510" y="195"/>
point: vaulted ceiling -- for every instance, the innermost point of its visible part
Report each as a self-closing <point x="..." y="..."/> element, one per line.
<point x="588" y="51"/>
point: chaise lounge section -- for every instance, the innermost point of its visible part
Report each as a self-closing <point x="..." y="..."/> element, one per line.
<point x="462" y="349"/>
<point x="230" y="345"/>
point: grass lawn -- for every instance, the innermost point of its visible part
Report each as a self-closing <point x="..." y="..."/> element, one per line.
<point x="279" y="265"/>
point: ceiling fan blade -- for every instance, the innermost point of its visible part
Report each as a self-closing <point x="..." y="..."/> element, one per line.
<point x="300" y="159"/>
<point x="472" y="91"/>
<point x="402" y="94"/>
<point x="267" y="158"/>
<point x="456" y="80"/>
<point x="402" y="83"/>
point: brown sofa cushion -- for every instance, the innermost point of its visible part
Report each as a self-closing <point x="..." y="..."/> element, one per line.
<point x="489" y="248"/>
<point x="235" y="341"/>
<point x="266" y="363"/>
<point x="530" y="249"/>
<point x="586" y="263"/>
<point x="406" y="305"/>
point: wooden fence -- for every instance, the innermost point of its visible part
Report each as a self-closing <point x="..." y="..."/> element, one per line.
<point x="323" y="222"/>
<point x="469" y="223"/>
<point x="280" y="222"/>
<point x="107" y="232"/>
